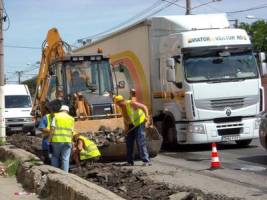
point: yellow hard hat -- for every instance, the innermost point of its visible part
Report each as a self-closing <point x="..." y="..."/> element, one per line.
<point x="75" y="133"/>
<point x="118" y="98"/>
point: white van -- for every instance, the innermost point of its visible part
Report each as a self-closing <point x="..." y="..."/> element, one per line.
<point x="18" y="106"/>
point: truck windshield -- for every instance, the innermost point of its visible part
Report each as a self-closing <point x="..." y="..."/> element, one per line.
<point x="220" y="66"/>
<point x="17" y="101"/>
<point x="93" y="76"/>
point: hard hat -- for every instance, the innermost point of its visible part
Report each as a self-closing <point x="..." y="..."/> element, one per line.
<point x="64" y="108"/>
<point x="75" y="133"/>
<point x="118" y="98"/>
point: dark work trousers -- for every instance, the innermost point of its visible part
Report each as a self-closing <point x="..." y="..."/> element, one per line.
<point x="136" y="134"/>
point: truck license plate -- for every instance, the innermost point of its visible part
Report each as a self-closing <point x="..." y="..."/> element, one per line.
<point x="230" y="138"/>
<point x="16" y="128"/>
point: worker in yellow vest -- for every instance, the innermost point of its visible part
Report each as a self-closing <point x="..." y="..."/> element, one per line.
<point x="135" y="116"/>
<point x="44" y="127"/>
<point x="62" y="127"/>
<point x="84" y="150"/>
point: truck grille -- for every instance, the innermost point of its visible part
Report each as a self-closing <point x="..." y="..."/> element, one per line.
<point x="15" y="120"/>
<point x="229" y="128"/>
<point x="221" y="104"/>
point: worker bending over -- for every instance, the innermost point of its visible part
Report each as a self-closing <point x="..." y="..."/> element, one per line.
<point x="84" y="149"/>
<point x="135" y="116"/>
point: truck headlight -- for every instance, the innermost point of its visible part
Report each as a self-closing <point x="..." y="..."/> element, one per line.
<point x="197" y="128"/>
<point x="28" y="119"/>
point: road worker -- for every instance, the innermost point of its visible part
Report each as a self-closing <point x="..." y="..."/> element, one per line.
<point x="84" y="150"/>
<point x="45" y="126"/>
<point x="133" y="94"/>
<point x="135" y="115"/>
<point x="61" y="138"/>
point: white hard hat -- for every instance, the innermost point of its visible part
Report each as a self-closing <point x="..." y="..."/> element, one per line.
<point x="65" y="108"/>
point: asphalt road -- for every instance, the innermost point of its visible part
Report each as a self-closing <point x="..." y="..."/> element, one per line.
<point x="252" y="158"/>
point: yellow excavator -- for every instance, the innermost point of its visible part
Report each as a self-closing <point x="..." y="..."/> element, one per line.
<point x="86" y="84"/>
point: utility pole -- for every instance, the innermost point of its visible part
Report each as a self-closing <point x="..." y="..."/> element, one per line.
<point x="2" y="79"/>
<point x="188" y="7"/>
<point x="19" y="76"/>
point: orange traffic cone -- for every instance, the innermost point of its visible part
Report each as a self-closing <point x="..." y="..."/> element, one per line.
<point x="215" y="162"/>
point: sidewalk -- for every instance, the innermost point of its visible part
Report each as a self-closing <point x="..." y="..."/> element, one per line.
<point x="9" y="187"/>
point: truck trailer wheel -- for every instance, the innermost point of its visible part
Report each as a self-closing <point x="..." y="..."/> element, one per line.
<point x="243" y="142"/>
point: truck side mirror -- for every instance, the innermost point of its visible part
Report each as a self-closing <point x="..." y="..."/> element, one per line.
<point x="263" y="65"/>
<point x="170" y="75"/>
<point x="262" y="57"/>
<point x="170" y="62"/>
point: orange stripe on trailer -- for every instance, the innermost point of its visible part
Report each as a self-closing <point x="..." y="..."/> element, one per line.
<point x="137" y="73"/>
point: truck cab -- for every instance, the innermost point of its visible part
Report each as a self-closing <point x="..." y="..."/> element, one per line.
<point x="217" y="73"/>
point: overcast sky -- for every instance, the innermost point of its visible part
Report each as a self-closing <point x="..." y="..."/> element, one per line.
<point x="31" y="19"/>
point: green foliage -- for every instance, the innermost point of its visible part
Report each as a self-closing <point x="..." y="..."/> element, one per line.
<point x="11" y="167"/>
<point x="31" y="83"/>
<point x="2" y="141"/>
<point x="35" y="162"/>
<point x="258" y="33"/>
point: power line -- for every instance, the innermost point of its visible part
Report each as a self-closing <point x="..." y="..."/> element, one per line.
<point x="248" y="9"/>
<point x="134" y="18"/>
<point x="176" y="4"/>
<point x="157" y="3"/>
<point x="22" y="47"/>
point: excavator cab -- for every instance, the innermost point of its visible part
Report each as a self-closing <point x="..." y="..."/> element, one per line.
<point x="86" y="84"/>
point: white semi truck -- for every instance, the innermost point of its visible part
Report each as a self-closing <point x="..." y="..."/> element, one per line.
<point x="198" y="76"/>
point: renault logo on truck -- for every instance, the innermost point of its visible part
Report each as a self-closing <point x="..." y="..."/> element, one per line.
<point x="228" y="111"/>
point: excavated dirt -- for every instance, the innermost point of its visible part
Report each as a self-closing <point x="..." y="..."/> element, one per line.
<point x="120" y="179"/>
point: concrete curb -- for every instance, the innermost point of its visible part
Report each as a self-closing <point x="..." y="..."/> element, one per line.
<point x="52" y="183"/>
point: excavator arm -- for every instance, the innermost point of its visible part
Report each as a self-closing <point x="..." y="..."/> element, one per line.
<point x="53" y="48"/>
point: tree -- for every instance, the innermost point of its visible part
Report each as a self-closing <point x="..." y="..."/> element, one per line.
<point x="258" y="33"/>
<point x="31" y="83"/>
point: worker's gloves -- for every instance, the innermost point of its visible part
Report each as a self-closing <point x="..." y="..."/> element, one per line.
<point x="148" y="121"/>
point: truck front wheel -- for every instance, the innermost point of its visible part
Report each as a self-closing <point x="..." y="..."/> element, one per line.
<point x="243" y="142"/>
<point x="169" y="133"/>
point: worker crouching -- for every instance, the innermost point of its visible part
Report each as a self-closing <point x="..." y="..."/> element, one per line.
<point x="84" y="150"/>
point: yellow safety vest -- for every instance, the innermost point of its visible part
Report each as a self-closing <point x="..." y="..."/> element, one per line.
<point x="64" y="124"/>
<point x="90" y="150"/>
<point x="137" y="116"/>
<point x="49" y="120"/>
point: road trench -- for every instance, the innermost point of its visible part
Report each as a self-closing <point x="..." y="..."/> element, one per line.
<point x="120" y="179"/>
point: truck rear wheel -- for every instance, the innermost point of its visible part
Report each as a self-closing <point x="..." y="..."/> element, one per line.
<point x="243" y="142"/>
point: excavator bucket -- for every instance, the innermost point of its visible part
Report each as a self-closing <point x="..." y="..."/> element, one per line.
<point x="109" y="136"/>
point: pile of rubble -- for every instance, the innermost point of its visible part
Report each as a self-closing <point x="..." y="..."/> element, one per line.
<point x="104" y="136"/>
<point x="120" y="179"/>
<point x="124" y="182"/>
<point x="32" y="144"/>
